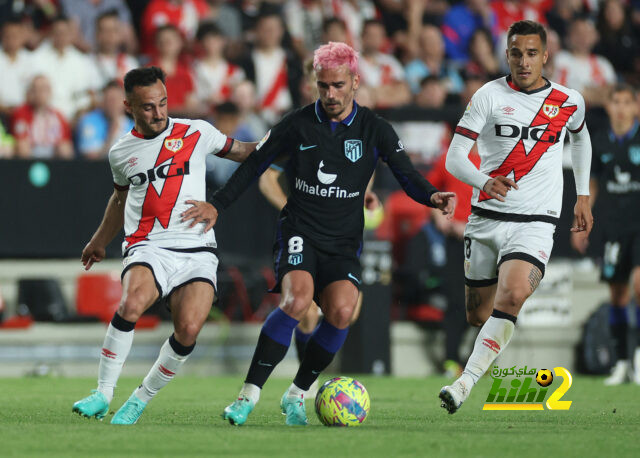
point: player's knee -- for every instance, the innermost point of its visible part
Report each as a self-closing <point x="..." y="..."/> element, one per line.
<point x="340" y="313"/>
<point x="132" y="307"/>
<point x="187" y="333"/>
<point x="514" y="297"/>
<point x="296" y="303"/>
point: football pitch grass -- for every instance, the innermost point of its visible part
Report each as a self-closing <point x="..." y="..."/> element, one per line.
<point x="405" y="420"/>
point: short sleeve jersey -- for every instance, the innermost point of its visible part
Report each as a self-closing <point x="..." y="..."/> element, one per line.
<point x="520" y="135"/>
<point x="328" y="166"/>
<point x="161" y="174"/>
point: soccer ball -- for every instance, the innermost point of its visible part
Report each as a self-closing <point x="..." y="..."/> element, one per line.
<point x="544" y="377"/>
<point x="342" y="401"/>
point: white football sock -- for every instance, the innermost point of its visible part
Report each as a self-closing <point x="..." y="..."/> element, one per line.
<point x="491" y="341"/>
<point x="251" y="392"/>
<point x="162" y="372"/>
<point x="115" y="350"/>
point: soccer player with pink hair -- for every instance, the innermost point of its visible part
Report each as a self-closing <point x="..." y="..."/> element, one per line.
<point x="330" y="148"/>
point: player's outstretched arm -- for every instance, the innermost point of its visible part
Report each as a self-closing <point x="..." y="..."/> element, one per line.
<point x="460" y="166"/>
<point x="111" y="224"/>
<point x="240" y="151"/>
<point x="581" y="164"/>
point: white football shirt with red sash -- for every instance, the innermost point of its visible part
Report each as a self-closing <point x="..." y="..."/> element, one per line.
<point x="520" y="135"/>
<point x="161" y="174"/>
<point x="272" y="82"/>
<point x="217" y="83"/>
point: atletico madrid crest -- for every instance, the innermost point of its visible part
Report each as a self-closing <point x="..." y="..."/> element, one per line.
<point x="173" y="144"/>
<point x="550" y="110"/>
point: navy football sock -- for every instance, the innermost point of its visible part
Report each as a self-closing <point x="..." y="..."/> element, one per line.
<point x="619" y="326"/>
<point x="272" y="346"/>
<point x="323" y="345"/>
<point x="300" y="339"/>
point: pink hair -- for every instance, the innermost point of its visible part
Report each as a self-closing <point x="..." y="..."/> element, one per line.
<point x="333" y="55"/>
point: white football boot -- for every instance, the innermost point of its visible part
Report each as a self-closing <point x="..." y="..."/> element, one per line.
<point x="621" y="373"/>
<point x="452" y="396"/>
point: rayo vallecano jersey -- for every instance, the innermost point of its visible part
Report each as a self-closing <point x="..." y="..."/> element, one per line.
<point x="161" y="173"/>
<point x="520" y="135"/>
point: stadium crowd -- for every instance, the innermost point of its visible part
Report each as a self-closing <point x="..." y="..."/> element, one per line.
<point x="241" y="64"/>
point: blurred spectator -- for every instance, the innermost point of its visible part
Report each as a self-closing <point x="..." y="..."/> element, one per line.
<point x="304" y="19"/>
<point x="553" y="47"/>
<point x="228" y="120"/>
<point x="509" y="11"/>
<point x="226" y="16"/>
<point x="579" y="69"/>
<point x="352" y="14"/>
<point x="431" y="61"/>
<point x="433" y="93"/>
<point x="380" y="71"/>
<point x="215" y="77"/>
<point x="562" y="13"/>
<point x="308" y="84"/>
<point x="182" y="14"/>
<point x="471" y="85"/>
<point x="85" y="14"/>
<point x="16" y="64"/>
<point x="366" y="97"/>
<point x="69" y="71"/>
<point x="244" y="97"/>
<point x="40" y="130"/>
<point x="110" y="61"/>
<point x="99" y="129"/>
<point x="482" y="58"/>
<point x="37" y="13"/>
<point x="423" y="153"/>
<point x="275" y="71"/>
<point x="617" y="38"/>
<point x="179" y="79"/>
<point x="461" y="21"/>
<point x="334" y="29"/>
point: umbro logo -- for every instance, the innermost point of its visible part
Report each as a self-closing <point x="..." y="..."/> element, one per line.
<point x="166" y="371"/>
<point x="108" y="353"/>
<point x="508" y="110"/>
<point x="491" y="344"/>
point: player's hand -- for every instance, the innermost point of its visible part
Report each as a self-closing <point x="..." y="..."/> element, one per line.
<point x="498" y="187"/>
<point x="579" y="242"/>
<point x="445" y="201"/>
<point x="582" y="217"/>
<point x="92" y="253"/>
<point x="201" y="212"/>
<point x="371" y="201"/>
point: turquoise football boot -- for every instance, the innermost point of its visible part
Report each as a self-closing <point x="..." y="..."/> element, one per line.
<point x="294" y="409"/>
<point x="130" y="411"/>
<point x="95" y="405"/>
<point x="238" y="412"/>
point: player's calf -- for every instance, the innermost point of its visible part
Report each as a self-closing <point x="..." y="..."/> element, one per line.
<point x="479" y="304"/>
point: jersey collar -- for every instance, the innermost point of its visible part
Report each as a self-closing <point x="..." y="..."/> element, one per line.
<point x="137" y="134"/>
<point x="624" y="137"/>
<point x="322" y="116"/>
<point x="515" y="87"/>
